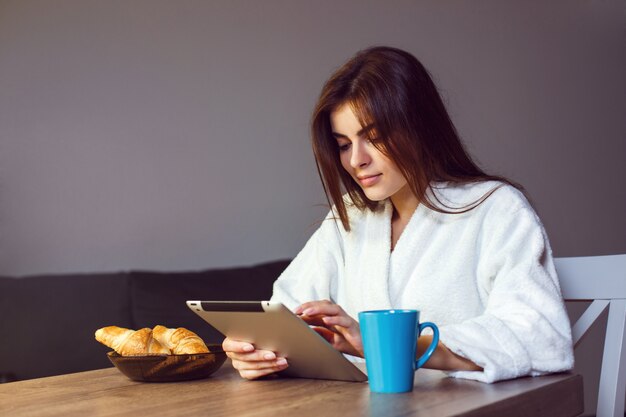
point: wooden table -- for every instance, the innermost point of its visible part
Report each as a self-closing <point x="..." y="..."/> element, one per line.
<point x="107" y="392"/>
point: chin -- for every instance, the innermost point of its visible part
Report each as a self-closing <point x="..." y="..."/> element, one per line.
<point x="374" y="196"/>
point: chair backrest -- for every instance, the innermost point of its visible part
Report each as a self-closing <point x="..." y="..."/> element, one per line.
<point x="602" y="280"/>
<point x="592" y="277"/>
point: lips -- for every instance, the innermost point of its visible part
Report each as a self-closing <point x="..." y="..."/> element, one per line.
<point x="368" y="180"/>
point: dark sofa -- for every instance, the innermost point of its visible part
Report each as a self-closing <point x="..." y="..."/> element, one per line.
<point x="47" y="323"/>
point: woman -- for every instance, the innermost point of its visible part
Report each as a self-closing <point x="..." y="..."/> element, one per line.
<point x="419" y="225"/>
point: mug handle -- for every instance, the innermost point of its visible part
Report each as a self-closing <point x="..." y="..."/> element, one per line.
<point x="422" y="360"/>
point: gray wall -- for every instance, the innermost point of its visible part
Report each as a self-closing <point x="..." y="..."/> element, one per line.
<point x="173" y="134"/>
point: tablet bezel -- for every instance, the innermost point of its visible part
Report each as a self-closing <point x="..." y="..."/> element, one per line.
<point x="272" y="326"/>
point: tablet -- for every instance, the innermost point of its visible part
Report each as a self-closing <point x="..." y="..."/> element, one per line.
<point x="272" y="326"/>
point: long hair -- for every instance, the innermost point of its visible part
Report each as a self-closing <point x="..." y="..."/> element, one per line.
<point x="391" y="89"/>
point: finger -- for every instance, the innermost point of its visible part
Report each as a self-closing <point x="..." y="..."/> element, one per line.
<point x="310" y="304"/>
<point x="313" y="320"/>
<point x="342" y="321"/>
<point x="259" y="365"/>
<point x="323" y="309"/>
<point x="251" y="375"/>
<point x="347" y="328"/>
<point x="255" y="374"/>
<point x="230" y="345"/>
<point x="257" y="356"/>
<point x="329" y="335"/>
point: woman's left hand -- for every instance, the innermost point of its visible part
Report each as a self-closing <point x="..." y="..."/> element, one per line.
<point x="334" y="324"/>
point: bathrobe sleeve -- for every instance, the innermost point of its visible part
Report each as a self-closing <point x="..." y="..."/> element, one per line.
<point x="524" y="329"/>
<point x="314" y="272"/>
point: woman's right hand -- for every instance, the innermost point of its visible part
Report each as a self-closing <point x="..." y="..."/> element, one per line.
<point x="252" y="363"/>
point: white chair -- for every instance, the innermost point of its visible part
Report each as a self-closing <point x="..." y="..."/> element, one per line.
<point x="602" y="280"/>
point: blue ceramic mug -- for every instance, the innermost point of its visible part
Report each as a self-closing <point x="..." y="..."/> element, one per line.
<point x="390" y="342"/>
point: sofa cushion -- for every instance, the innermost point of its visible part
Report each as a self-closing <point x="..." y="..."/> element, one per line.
<point x="159" y="297"/>
<point x="48" y="322"/>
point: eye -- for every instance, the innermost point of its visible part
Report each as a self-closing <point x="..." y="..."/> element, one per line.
<point x="344" y="147"/>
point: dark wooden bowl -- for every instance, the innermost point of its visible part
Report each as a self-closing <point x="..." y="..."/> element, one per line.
<point x="169" y="368"/>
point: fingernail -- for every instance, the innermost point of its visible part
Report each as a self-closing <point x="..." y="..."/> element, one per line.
<point x="248" y="348"/>
<point x="281" y="361"/>
<point x="269" y="356"/>
<point x="307" y="312"/>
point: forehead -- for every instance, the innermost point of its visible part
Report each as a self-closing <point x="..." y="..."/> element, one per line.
<point x="344" y="120"/>
<point x="349" y="119"/>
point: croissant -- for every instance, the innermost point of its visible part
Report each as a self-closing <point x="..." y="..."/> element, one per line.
<point x="181" y="341"/>
<point x="128" y="342"/>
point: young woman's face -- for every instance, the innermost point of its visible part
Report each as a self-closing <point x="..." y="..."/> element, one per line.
<point x="377" y="175"/>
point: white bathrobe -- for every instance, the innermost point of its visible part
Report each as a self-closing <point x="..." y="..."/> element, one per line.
<point x="485" y="277"/>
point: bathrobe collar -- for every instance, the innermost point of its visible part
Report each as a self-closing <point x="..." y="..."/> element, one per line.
<point x="371" y="278"/>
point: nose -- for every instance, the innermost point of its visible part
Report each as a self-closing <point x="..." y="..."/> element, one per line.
<point x="360" y="155"/>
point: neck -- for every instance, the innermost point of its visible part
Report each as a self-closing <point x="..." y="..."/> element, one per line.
<point x="404" y="204"/>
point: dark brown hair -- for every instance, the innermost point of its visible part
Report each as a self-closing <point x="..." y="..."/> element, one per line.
<point x="391" y="89"/>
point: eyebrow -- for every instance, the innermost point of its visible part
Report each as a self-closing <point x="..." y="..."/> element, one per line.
<point x="361" y="132"/>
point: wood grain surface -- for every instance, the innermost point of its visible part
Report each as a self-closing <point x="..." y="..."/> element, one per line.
<point x="107" y="392"/>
